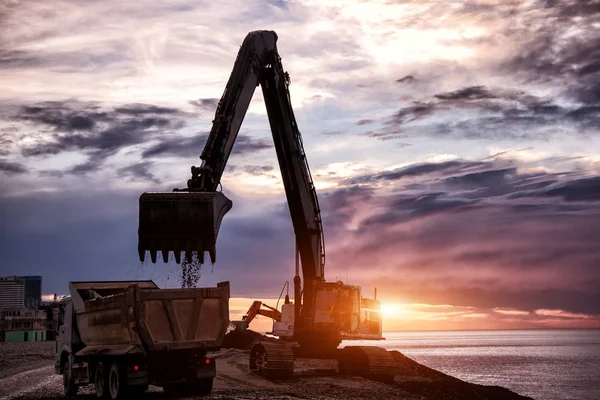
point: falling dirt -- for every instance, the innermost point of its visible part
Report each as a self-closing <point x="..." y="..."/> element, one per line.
<point x="191" y="270"/>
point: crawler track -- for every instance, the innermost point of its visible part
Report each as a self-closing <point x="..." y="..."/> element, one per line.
<point x="371" y="362"/>
<point x="272" y="360"/>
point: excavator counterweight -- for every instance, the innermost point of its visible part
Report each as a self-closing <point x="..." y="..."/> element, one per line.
<point x="180" y="221"/>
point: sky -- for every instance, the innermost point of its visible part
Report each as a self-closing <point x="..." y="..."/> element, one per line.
<point x="455" y="148"/>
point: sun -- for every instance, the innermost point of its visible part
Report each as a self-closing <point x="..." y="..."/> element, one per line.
<point x="392" y="309"/>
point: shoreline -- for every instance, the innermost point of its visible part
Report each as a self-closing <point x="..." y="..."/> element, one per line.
<point x="313" y="379"/>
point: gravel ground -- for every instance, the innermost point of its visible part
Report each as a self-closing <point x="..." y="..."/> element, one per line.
<point x="27" y="372"/>
<point x="17" y="357"/>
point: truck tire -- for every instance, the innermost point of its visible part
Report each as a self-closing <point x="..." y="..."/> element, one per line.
<point x="117" y="386"/>
<point x="100" y="382"/>
<point x="69" y="386"/>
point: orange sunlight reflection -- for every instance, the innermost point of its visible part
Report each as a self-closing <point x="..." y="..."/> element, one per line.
<point x="400" y="316"/>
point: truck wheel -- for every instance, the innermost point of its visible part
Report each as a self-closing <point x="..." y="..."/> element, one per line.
<point x="116" y="384"/>
<point x="69" y="386"/>
<point x="100" y="382"/>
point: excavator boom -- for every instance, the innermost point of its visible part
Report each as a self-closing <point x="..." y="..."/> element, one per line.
<point x="188" y="220"/>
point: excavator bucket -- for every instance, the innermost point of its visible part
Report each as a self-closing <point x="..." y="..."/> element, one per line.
<point x="180" y="222"/>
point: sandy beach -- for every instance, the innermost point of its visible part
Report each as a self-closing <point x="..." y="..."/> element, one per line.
<point x="27" y="372"/>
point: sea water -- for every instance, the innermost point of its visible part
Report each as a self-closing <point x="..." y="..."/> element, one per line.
<point x="543" y="364"/>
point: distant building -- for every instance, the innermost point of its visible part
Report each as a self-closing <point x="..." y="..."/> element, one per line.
<point x="23" y="325"/>
<point x="12" y="293"/>
<point x="18" y="292"/>
<point x="33" y="292"/>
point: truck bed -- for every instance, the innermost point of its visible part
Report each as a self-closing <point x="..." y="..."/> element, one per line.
<point x="113" y="315"/>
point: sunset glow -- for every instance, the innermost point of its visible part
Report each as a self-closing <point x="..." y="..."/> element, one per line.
<point x="454" y="148"/>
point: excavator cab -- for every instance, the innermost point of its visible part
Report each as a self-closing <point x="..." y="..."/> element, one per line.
<point x="341" y="308"/>
<point x="185" y="222"/>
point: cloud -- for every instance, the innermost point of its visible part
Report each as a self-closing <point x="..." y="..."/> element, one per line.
<point x="472" y="232"/>
<point x="406" y="79"/>
<point x="474" y="80"/>
<point x="258" y="170"/>
<point x="584" y="189"/>
<point x="479" y="112"/>
<point x="468" y="93"/>
<point x="192" y="146"/>
<point x="205" y="104"/>
<point x="550" y="54"/>
<point x="12" y="168"/>
<point x="139" y="172"/>
<point x="93" y="130"/>
<point x="417" y="170"/>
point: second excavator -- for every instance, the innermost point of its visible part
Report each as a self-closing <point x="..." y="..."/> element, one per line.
<point x="187" y="221"/>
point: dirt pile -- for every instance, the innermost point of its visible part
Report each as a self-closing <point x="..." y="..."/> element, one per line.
<point x="243" y="340"/>
<point x="417" y="379"/>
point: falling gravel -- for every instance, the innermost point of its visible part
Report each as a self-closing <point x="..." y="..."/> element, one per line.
<point x="191" y="271"/>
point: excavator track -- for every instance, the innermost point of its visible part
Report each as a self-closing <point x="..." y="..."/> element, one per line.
<point x="272" y="360"/>
<point x="371" y="362"/>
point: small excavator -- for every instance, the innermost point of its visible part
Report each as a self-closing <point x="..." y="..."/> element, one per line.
<point x="187" y="221"/>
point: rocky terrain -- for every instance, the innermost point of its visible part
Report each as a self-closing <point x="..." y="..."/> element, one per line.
<point x="27" y="372"/>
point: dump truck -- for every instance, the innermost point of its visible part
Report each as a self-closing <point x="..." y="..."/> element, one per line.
<point x="123" y="336"/>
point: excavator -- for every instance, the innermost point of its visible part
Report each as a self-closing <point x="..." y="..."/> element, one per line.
<point x="187" y="221"/>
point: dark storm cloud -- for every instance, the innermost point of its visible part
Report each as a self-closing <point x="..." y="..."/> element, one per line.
<point x="97" y="132"/>
<point x="12" y="168"/>
<point x="192" y="146"/>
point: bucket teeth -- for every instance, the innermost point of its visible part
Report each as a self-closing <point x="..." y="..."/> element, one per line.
<point x="179" y="222"/>
<point x="153" y="255"/>
<point x="141" y="252"/>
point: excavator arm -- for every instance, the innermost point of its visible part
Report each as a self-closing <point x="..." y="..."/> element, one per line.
<point x="189" y="219"/>
<point x="256" y="308"/>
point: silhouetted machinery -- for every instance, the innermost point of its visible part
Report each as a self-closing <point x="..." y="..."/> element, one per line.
<point x="186" y="222"/>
